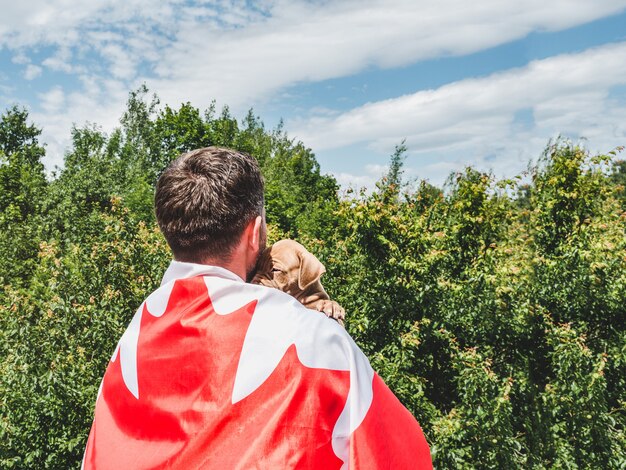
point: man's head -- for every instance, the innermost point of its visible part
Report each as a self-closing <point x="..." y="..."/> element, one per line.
<point x="207" y="201"/>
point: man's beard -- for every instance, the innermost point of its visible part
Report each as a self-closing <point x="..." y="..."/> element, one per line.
<point x="251" y="270"/>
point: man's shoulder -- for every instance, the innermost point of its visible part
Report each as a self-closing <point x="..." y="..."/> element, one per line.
<point x="275" y="317"/>
<point x="274" y="303"/>
<point x="281" y="324"/>
<point x="269" y="301"/>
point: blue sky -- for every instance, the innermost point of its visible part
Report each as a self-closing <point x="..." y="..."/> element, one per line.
<point x="485" y="83"/>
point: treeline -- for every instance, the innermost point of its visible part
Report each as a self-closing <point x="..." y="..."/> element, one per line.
<point x="494" y="309"/>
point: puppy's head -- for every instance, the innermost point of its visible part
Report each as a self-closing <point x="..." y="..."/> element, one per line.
<point x="288" y="266"/>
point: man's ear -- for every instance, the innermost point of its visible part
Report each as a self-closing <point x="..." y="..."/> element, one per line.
<point x="311" y="269"/>
<point x="253" y="232"/>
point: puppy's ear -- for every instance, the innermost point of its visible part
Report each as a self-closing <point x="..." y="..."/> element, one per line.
<point x="311" y="269"/>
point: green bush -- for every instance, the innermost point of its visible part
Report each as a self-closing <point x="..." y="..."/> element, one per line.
<point x="493" y="309"/>
<point x="57" y="335"/>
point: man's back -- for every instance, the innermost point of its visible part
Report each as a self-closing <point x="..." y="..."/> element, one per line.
<point x="215" y="373"/>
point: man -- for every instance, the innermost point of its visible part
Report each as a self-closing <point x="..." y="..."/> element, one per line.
<point x="216" y="373"/>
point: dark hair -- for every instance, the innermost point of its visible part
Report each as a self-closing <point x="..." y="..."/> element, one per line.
<point x="205" y="199"/>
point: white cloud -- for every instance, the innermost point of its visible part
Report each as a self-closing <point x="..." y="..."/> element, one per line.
<point x="52" y="100"/>
<point x="121" y="63"/>
<point x="435" y="173"/>
<point x="472" y="120"/>
<point x="302" y="41"/>
<point x="60" y="61"/>
<point x="101" y="102"/>
<point x="239" y="54"/>
<point x="242" y="55"/>
<point x="61" y="22"/>
<point x="20" y="58"/>
<point x="32" y="72"/>
<point x="355" y="182"/>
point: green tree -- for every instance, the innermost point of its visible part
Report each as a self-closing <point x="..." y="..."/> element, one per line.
<point x="22" y="178"/>
<point x="23" y="188"/>
<point x="493" y="309"/>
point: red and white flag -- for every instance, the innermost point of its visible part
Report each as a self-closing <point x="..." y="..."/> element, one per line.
<point x="216" y="373"/>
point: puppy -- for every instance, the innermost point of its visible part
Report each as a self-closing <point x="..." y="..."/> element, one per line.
<point x="288" y="266"/>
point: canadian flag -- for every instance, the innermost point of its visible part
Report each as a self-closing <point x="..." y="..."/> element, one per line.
<point x="216" y="373"/>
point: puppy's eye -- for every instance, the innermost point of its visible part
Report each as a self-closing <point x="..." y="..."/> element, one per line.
<point x="276" y="270"/>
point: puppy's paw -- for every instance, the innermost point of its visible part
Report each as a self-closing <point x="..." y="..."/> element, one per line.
<point x="332" y="309"/>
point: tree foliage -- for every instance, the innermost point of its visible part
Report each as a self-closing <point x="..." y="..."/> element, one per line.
<point x="493" y="309"/>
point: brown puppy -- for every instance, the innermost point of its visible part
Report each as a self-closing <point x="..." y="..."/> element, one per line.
<point x="288" y="266"/>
